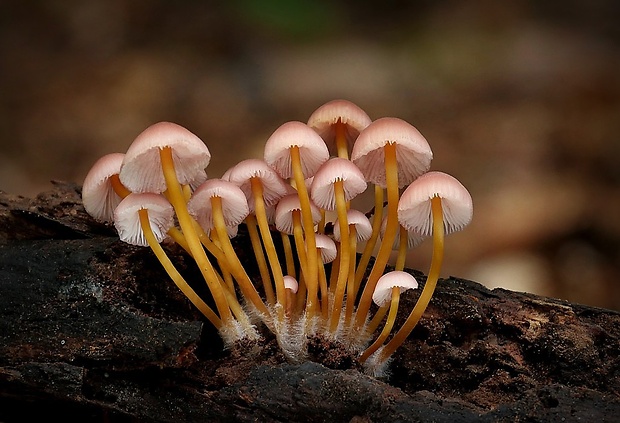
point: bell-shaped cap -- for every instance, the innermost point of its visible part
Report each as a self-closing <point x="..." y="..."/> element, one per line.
<point x="234" y="204"/>
<point x="142" y="169"/>
<point x="284" y="213"/>
<point x="273" y="186"/>
<point x="127" y="218"/>
<point x="413" y="153"/>
<point x="98" y="195"/>
<point x="363" y="227"/>
<point x="395" y="279"/>
<point x="336" y="169"/>
<point x="414" y="207"/>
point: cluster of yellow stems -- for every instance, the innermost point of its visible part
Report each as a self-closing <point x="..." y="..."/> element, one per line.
<point x="318" y="284"/>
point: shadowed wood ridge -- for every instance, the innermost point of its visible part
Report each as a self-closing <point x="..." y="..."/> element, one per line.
<point x="92" y="329"/>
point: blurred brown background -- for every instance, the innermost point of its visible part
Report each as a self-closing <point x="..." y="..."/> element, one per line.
<point x="519" y="100"/>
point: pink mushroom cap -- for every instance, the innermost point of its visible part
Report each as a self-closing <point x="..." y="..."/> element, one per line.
<point x="127" y="220"/>
<point x="234" y="204"/>
<point x="336" y="169"/>
<point x="395" y="279"/>
<point x="98" y="195"/>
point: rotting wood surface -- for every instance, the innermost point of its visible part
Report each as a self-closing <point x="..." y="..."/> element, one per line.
<point x="92" y="330"/>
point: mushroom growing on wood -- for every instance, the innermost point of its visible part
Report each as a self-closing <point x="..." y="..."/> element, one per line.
<point x="434" y="205"/>
<point x="391" y="153"/>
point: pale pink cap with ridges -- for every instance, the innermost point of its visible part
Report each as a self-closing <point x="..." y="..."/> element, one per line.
<point x="327" y="248"/>
<point x="234" y="203"/>
<point x="127" y="220"/>
<point x="363" y="227"/>
<point x="336" y="169"/>
<point x="312" y="149"/>
<point x="414" y="207"/>
<point x="142" y="171"/>
<point x="98" y="196"/>
<point x="413" y="238"/>
<point x="274" y="187"/>
<point x="395" y="279"/>
<point x="413" y="153"/>
<point x="325" y="117"/>
<point x="284" y="213"/>
<point x="291" y="283"/>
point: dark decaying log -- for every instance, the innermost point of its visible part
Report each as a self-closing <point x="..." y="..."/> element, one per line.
<point x="93" y="330"/>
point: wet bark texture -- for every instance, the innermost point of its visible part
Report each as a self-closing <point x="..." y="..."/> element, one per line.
<point x="93" y="330"/>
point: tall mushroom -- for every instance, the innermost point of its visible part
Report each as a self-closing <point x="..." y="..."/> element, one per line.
<point x="434" y="205"/>
<point x="391" y="153"/>
<point x="294" y="150"/>
<point x="335" y="183"/>
<point x="165" y="157"/>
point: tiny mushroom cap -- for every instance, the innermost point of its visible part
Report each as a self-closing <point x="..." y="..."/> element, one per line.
<point x="363" y="227"/>
<point x="98" y="194"/>
<point x="414" y="207"/>
<point x="284" y="213"/>
<point x="234" y="204"/>
<point x="327" y="248"/>
<point x="395" y="279"/>
<point x="324" y="119"/>
<point x="413" y="152"/>
<point x="333" y="170"/>
<point x="312" y="149"/>
<point x="127" y="219"/>
<point x="273" y="186"/>
<point x="291" y="283"/>
<point x="142" y="169"/>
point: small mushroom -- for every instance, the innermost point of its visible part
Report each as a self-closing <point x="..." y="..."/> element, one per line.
<point x="144" y="219"/>
<point x="102" y="189"/>
<point x="387" y="295"/>
<point x="339" y="123"/>
<point x="434" y="205"/>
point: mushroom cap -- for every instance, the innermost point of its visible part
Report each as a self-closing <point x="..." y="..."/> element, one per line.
<point x="312" y="149"/>
<point x="327" y="248"/>
<point x="414" y="238"/>
<point x="234" y="204"/>
<point x="274" y="187"/>
<point x="98" y="195"/>
<point x="394" y="279"/>
<point x="291" y="283"/>
<point x="141" y="170"/>
<point x="363" y="227"/>
<point x="413" y="153"/>
<point x="284" y="213"/>
<point x="414" y="207"/>
<point x="323" y="121"/>
<point x="127" y="220"/>
<point x="336" y="169"/>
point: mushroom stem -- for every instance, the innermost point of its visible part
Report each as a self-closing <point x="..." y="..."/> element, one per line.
<point x="351" y="292"/>
<point x="391" y="176"/>
<point x="402" y="249"/>
<point x="288" y="254"/>
<point x="118" y="186"/>
<point x="173" y="273"/>
<point x="389" y="324"/>
<point x="311" y="277"/>
<point x="177" y="199"/>
<point x="265" y="232"/>
<point x="370" y="244"/>
<point x="429" y="286"/>
<point x="341" y="139"/>
<point x="236" y="268"/>
<point x="345" y="246"/>
<point x="257" y="246"/>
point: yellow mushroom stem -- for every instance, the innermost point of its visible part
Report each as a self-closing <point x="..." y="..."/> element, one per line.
<point x="261" y="261"/>
<point x="311" y="277"/>
<point x="391" y="176"/>
<point x="341" y="139"/>
<point x="350" y="305"/>
<point x="177" y="199"/>
<point x="324" y="290"/>
<point x="300" y="247"/>
<point x="118" y="186"/>
<point x="429" y="286"/>
<point x="377" y="219"/>
<point x="389" y="324"/>
<point x="236" y="268"/>
<point x="288" y="255"/>
<point x="265" y="232"/>
<point x="173" y="273"/>
<point x="377" y="318"/>
<point x="401" y="258"/>
<point x="345" y="256"/>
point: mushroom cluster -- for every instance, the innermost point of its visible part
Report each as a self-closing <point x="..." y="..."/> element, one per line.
<point x="316" y="283"/>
